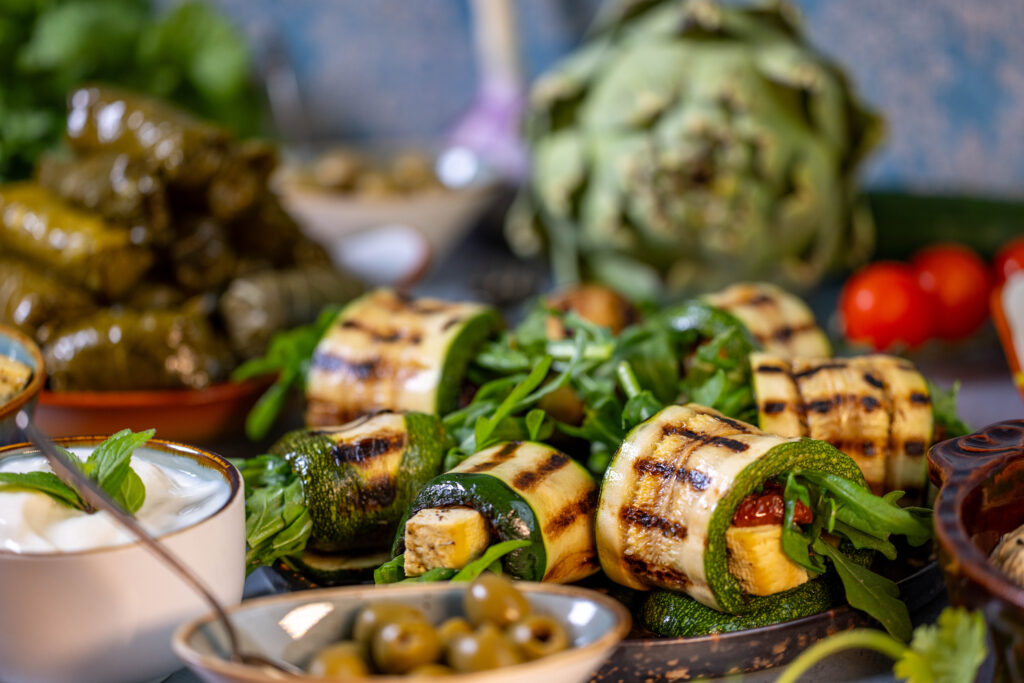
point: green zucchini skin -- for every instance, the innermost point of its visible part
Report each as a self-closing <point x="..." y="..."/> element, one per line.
<point x="358" y="478"/>
<point x="461" y="350"/>
<point x="336" y="570"/>
<point x="677" y="615"/>
<point x="509" y="515"/>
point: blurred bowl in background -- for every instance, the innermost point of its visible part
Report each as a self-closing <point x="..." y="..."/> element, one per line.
<point x="15" y="345"/>
<point x="190" y="415"/>
<point x="428" y="199"/>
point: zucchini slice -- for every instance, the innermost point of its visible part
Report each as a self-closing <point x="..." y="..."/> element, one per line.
<point x="386" y="351"/>
<point x="336" y="570"/>
<point x="672" y="489"/>
<point x="780" y="322"/>
<point x="358" y="478"/>
<point x="524" y="490"/>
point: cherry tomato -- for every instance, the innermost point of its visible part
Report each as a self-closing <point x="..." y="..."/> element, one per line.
<point x="1009" y="259"/>
<point x="958" y="281"/>
<point x="883" y="305"/>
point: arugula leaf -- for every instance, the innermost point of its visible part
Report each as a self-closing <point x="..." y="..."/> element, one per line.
<point x="865" y="541"/>
<point x="951" y="651"/>
<point x="43" y="482"/>
<point x="869" y="592"/>
<point x="795" y="543"/>
<point x="277" y="523"/>
<point x="947" y="423"/>
<point x="490" y="556"/>
<point x="391" y="571"/>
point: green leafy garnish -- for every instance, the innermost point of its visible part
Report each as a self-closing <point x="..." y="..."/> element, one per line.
<point x="289" y="355"/>
<point x="490" y="557"/>
<point x="950" y="651"/>
<point x="393" y="571"/>
<point x="109" y="465"/>
<point x="277" y="522"/>
<point x="947" y="423"/>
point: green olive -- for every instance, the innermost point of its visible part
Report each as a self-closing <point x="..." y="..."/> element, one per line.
<point x="538" y="635"/>
<point x="432" y="670"/>
<point x="496" y="600"/>
<point x="344" y="659"/>
<point x="373" y="616"/>
<point x="452" y="628"/>
<point x="404" y="644"/>
<point x="487" y="648"/>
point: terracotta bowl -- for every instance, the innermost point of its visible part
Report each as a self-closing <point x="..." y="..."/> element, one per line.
<point x="189" y="415"/>
<point x="18" y="346"/>
<point x="982" y="498"/>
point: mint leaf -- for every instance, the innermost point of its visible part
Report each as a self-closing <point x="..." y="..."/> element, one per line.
<point x="43" y="482"/>
<point x="869" y="592"/>
<point x="109" y="464"/>
<point x="132" y="493"/>
<point x="277" y="522"/>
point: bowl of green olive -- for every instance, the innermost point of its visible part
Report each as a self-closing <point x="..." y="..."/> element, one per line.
<point x="489" y="630"/>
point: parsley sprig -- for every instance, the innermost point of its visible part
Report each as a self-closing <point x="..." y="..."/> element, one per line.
<point x="109" y="465"/>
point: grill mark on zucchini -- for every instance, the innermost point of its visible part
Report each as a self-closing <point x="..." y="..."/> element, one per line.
<point x="506" y="453"/>
<point x="921" y="399"/>
<point x="914" y="447"/>
<point x="451" y="322"/>
<point x="567" y="516"/>
<point x="383" y="337"/>
<point x="874" y="381"/>
<point x="663" y="575"/>
<point x="769" y="368"/>
<point x="697" y="479"/>
<point x="360" y="370"/>
<point x="634" y="516"/>
<point x="360" y="451"/>
<point x="773" y="407"/>
<point x="787" y="332"/>
<point x="378" y="492"/>
<point x="724" y="441"/>
<point x="810" y="372"/>
<point x="524" y="481"/>
<point x="870" y="403"/>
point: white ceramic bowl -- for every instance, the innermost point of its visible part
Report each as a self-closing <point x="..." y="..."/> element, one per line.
<point x="293" y="627"/>
<point x="107" y="615"/>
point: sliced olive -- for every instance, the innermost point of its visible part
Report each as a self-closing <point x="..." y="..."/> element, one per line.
<point x="344" y="659"/>
<point x="432" y="670"/>
<point x="538" y="635"/>
<point x="496" y="600"/>
<point x="373" y="616"/>
<point x="404" y="644"/>
<point x="452" y="628"/>
<point x="486" y="648"/>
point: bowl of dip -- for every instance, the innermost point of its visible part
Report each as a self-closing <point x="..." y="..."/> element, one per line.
<point x="21" y="379"/>
<point x="82" y="601"/>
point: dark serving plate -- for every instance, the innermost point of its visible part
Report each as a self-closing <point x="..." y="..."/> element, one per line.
<point x="643" y="656"/>
<point x="982" y="498"/>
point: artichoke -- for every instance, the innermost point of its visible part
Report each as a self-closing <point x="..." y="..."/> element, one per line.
<point x="689" y="144"/>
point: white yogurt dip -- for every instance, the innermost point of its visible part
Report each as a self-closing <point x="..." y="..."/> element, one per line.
<point x="179" y="493"/>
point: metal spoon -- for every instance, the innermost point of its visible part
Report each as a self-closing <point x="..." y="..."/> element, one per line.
<point x="96" y="497"/>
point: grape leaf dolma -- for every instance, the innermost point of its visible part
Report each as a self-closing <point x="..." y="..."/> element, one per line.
<point x="242" y="180"/>
<point x="36" y="302"/>
<point x="77" y="245"/>
<point x="125" y="350"/>
<point x="185" y="150"/>
<point x="118" y="187"/>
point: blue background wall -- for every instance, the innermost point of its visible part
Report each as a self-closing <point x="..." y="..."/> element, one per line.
<point x="948" y="74"/>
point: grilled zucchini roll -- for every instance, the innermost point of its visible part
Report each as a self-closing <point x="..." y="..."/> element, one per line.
<point x="77" y="245"/>
<point x="358" y="478"/>
<point x="876" y="409"/>
<point x="390" y="352"/>
<point x="674" y="511"/>
<point x="516" y="490"/>
<point x="779" y="321"/>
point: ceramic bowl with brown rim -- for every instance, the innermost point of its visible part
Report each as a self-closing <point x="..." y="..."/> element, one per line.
<point x="84" y="603"/>
<point x="982" y="498"/>
<point x="294" y="627"/>
<point x="20" y="348"/>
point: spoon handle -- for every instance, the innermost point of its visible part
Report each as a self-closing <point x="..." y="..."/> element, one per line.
<point x="96" y="497"/>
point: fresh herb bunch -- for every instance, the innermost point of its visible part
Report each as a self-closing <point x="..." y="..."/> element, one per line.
<point x="109" y="465"/>
<point x="277" y="522"/>
<point x="690" y="352"/>
<point x="190" y="55"/>
<point x="865" y="521"/>
<point x="950" y="651"/>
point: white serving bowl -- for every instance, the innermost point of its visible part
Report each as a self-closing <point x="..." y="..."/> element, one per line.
<point x="106" y="615"/>
<point x="293" y="627"/>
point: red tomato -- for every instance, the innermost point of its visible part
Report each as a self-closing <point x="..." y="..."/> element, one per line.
<point x="883" y="305"/>
<point x="1009" y="259"/>
<point x="958" y="282"/>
